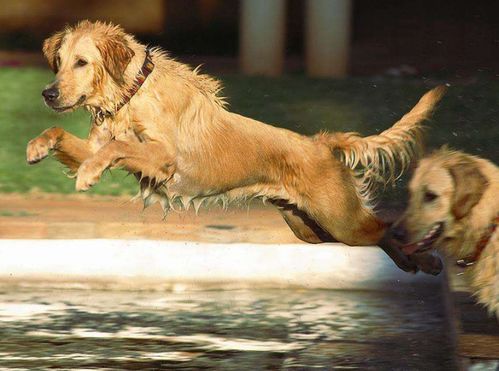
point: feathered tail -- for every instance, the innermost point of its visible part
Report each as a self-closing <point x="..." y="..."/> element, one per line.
<point x="384" y="157"/>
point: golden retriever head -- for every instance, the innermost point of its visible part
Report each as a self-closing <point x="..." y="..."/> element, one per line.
<point x="444" y="189"/>
<point x="87" y="59"/>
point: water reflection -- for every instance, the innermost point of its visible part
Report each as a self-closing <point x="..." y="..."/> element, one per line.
<point x="224" y="330"/>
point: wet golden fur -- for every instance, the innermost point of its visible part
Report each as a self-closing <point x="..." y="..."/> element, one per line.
<point x="186" y="148"/>
<point x="466" y="189"/>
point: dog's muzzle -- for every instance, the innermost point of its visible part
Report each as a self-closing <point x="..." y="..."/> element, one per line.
<point x="426" y="242"/>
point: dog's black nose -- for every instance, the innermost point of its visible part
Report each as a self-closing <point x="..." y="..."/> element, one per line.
<point x="50" y="94"/>
<point x="399" y="233"/>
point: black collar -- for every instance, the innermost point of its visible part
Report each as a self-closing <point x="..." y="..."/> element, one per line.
<point x="147" y="68"/>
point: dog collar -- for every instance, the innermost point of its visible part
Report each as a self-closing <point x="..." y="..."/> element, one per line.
<point x="146" y="69"/>
<point x="480" y="245"/>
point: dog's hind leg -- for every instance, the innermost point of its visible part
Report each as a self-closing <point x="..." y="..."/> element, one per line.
<point x="350" y="225"/>
<point x="363" y="228"/>
<point x="304" y="227"/>
<point x="331" y="199"/>
<point x="336" y="208"/>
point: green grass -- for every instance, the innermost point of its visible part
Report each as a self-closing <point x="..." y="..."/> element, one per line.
<point x="21" y="213"/>
<point x="467" y="119"/>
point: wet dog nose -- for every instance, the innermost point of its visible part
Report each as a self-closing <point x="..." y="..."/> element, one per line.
<point x="50" y="94"/>
<point x="399" y="233"/>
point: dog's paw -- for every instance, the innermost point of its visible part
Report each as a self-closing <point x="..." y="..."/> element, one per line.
<point x="428" y="263"/>
<point x="88" y="174"/>
<point x="37" y="150"/>
<point x="407" y="265"/>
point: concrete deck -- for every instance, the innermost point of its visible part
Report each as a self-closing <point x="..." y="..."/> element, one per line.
<point x="175" y="265"/>
<point x="74" y="217"/>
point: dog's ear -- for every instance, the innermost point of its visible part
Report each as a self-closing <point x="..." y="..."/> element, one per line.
<point x="50" y="48"/>
<point x="469" y="186"/>
<point x="116" y="55"/>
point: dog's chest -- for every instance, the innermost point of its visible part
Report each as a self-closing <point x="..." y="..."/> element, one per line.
<point x="182" y="185"/>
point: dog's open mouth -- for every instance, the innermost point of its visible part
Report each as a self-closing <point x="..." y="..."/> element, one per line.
<point x="78" y="103"/>
<point x="426" y="242"/>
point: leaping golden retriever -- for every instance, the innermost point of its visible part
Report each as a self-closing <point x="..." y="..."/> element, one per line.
<point x="166" y="123"/>
<point x="454" y="205"/>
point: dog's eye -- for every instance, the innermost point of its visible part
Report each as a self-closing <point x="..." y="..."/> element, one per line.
<point x="430" y="196"/>
<point x="81" y="62"/>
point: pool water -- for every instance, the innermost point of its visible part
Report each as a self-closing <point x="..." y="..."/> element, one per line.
<point x="224" y="330"/>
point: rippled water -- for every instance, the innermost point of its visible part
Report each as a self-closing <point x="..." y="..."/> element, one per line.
<point x="223" y="330"/>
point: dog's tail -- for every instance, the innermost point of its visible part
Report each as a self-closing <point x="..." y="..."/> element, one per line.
<point x="384" y="157"/>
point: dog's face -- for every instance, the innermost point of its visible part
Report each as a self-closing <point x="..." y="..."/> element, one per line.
<point x="430" y="202"/>
<point x="84" y="59"/>
<point x="441" y="193"/>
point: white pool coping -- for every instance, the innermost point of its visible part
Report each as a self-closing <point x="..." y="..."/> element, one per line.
<point x="147" y="264"/>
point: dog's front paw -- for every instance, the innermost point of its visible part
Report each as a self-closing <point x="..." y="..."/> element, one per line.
<point x="37" y="150"/>
<point x="88" y="174"/>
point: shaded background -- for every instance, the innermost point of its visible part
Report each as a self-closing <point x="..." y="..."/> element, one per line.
<point x="432" y="36"/>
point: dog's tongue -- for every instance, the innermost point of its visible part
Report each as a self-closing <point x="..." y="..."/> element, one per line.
<point x="426" y="242"/>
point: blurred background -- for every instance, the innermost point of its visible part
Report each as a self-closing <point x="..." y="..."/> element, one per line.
<point x="306" y="65"/>
<point x="360" y="37"/>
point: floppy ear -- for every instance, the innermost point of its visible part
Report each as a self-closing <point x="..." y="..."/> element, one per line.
<point x="469" y="187"/>
<point x="50" y="48"/>
<point x="116" y="55"/>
